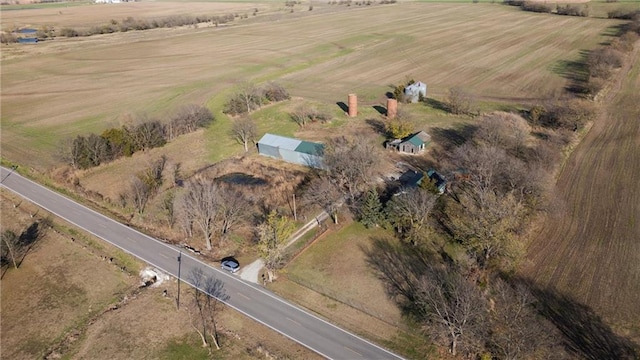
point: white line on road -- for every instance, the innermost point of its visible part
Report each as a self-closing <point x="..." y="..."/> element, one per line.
<point x="164" y="255"/>
<point x="293" y="321"/>
<point x="244" y="296"/>
<point x="353" y="351"/>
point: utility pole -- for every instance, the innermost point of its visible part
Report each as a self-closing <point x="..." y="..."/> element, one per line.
<point x="295" y="215"/>
<point x="179" y="266"/>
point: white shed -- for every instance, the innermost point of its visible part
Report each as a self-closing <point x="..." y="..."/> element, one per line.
<point x="412" y="92"/>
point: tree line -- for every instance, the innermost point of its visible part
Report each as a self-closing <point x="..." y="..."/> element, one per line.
<point x="543" y="7"/>
<point x="467" y="301"/>
<point x="83" y="152"/>
<point x="251" y="97"/>
<point x="471" y="302"/>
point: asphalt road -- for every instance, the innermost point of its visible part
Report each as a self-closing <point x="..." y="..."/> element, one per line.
<point x="257" y="303"/>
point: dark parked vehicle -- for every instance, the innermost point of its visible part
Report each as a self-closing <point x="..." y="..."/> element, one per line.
<point x="230" y="264"/>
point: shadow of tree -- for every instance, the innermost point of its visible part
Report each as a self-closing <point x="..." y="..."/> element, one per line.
<point x="377" y="126"/>
<point x="450" y="138"/>
<point x="436" y="104"/>
<point x="343" y="106"/>
<point x="576" y="71"/>
<point x="419" y="162"/>
<point x="29" y="237"/>
<point x="585" y="333"/>
<point x="399" y="267"/>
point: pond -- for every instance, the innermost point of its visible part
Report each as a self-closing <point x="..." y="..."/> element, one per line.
<point x="241" y="179"/>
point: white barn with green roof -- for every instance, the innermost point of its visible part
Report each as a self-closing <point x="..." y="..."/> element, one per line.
<point x="413" y="144"/>
<point x="291" y="150"/>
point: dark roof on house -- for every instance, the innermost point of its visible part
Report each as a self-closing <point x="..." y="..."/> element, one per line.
<point x="439" y="180"/>
<point x="411" y="178"/>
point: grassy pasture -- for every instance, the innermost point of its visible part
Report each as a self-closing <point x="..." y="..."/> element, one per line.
<point x="590" y="248"/>
<point x="334" y="279"/>
<point x="60" y="296"/>
<point x="72" y="86"/>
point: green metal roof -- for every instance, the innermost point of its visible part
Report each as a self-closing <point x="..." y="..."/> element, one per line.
<point x="415" y="140"/>
<point x="310" y="148"/>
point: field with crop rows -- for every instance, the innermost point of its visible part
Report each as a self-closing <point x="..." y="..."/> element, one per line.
<point x="65" y="87"/>
<point x="590" y="248"/>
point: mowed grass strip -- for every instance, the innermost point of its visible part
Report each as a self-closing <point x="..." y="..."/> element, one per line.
<point x="337" y="266"/>
<point x="492" y="50"/>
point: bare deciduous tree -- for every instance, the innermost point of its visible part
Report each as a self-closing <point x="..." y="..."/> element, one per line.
<point x="301" y="115"/>
<point x="503" y="130"/>
<point x="10" y="245"/>
<point x="487" y="224"/>
<point x="212" y="208"/>
<point x="68" y="152"/>
<point x="353" y="165"/>
<point x="459" y="101"/>
<point x="244" y="130"/>
<point x="140" y="193"/>
<point x="198" y="205"/>
<point x="145" y="184"/>
<point x="305" y="114"/>
<point x="273" y="91"/>
<point x="207" y="294"/>
<point x="453" y="309"/>
<point x="231" y="207"/>
<point x="188" y="119"/>
<point x="323" y="192"/>
<point x="409" y="212"/>
<point x="247" y="99"/>
<point x="15" y="248"/>
<point x="517" y="332"/>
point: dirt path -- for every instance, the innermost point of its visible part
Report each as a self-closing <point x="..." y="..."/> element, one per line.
<point x="592" y="250"/>
<point x="251" y="271"/>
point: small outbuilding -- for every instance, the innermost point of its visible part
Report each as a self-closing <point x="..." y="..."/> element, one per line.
<point x="437" y="180"/>
<point x="413" y="92"/>
<point x="413" y="144"/>
<point x="291" y="150"/>
<point x="414" y="178"/>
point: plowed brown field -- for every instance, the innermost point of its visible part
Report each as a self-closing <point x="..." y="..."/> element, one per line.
<point x="65" y="87"/>
<point x="592" y="251"/>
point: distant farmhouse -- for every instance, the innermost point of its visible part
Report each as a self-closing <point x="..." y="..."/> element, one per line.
<point x="291" y="150"/>
<point x="413" y="144"/>
<point x="412" y="92"/>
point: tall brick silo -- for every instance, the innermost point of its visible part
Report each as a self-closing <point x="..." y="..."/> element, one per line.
<point x="353" y="105"/>
<point x="392" y="108"/>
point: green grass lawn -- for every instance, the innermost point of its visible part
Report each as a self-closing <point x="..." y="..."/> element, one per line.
<point x="336" y="266"/>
